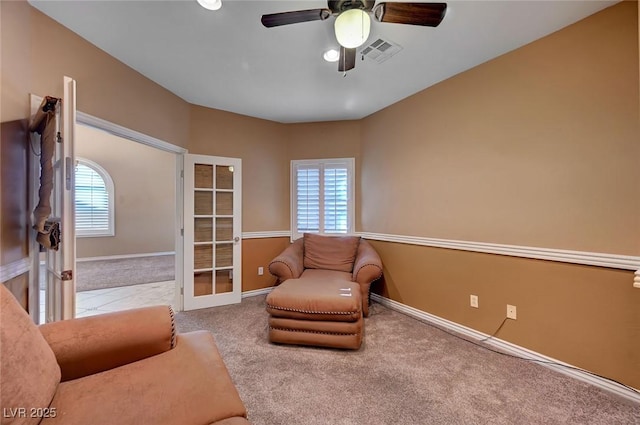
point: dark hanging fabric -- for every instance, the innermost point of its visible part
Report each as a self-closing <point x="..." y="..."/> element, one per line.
<point x="44" y="122"/>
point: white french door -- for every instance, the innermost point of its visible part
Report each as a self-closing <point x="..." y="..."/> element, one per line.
<point x="60" y="264"/>
<point x="212" y="231"/>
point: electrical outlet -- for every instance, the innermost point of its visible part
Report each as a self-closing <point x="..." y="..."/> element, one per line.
<point x="473" y="301"/>
<point x="260" y="271"/>
<point x="511" y="312"/>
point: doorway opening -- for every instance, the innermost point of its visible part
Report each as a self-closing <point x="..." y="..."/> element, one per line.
<point x="125" y="197"/>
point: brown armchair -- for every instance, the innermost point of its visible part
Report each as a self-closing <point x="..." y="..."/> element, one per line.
<point x="332" y="253"/>
<point x="129" y="367"/>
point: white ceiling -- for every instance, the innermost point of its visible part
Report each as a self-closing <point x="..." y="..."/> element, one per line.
<point x="227" y="60"/>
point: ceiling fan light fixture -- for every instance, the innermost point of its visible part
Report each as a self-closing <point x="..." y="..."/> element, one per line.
<point x="352" y="28"/>
<point x="331" y="55"/>
<point x="210" y="4"/>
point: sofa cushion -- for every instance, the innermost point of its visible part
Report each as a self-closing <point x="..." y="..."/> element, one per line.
<point x="29" y="370"/>
<point x="186" y="385"/>
<point x="330" y="252"/>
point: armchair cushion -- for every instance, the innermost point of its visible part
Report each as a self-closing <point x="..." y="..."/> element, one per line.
<point x="330" y="253"/>
<point x="29" y="372"/>
<point x="109" y="340"/>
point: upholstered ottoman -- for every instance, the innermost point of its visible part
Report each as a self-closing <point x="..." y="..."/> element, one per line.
<point x="320" y="312"/>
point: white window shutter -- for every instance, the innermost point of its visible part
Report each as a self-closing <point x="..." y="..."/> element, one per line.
<point x="322" y="196"/>
<point x="336" y="199"/>
<point x="93" y="200"/>
<point x="307" y="199"/>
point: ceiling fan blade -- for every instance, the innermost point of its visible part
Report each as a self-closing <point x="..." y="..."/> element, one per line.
<point x="338" y="6"/>
<point x="425" y="14"/>
<point x="286" y="18"/>
<point x="347" y="59"/>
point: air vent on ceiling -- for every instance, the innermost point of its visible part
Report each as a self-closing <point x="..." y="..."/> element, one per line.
<point x="380" y="50"/>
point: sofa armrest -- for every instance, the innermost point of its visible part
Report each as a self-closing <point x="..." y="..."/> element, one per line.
<point x="289" y="264"/>
<point x="367" y="268"/>
<point x="89" y="345"/>
<point x="187" y="385"/>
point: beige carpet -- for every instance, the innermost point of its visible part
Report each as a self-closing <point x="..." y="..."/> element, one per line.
<point x="101" y="274"/>
<point x="407" y="372"/>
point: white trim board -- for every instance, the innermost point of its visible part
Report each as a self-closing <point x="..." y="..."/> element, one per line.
<point x="615" y="261"/>
<point x="14" y="269"/>
<point x="509" y="348"/>
<point x="266" y="234"/>
<point x="118" y="130"/>
<point x="124" y="256"/>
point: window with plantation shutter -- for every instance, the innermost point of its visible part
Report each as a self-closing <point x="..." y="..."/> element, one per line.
<point x="93" y="200"/>
<point x="322" y="196"/>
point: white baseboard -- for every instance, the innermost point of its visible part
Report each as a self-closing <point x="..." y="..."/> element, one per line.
<point x="256" y="292"/>
<point x="510" y="348"/>
<point x="125" y="256"/>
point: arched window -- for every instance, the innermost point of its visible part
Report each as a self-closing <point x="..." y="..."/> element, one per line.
<point x="93" y="200"/>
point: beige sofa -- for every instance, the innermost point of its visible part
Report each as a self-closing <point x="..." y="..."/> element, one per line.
<point x="124" y="368"/>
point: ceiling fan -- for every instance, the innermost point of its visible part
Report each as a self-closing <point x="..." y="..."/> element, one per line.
<point x="352" y="22"/>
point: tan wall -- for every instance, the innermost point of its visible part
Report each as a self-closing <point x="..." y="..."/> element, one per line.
<point x="265" y="180"/>
<point x="335" y="139"/>
<point x="37" y="52"/>
<point x="259" y="253"/>
<point x="15" y="64"/>
<point x="14" y="171"/>
<point x="15" y="74"/>
<point x="145" y="195"/>
<point x="14" y="229"/>
<point x="265" y="171"/>
<point x="538" y="147"/>
<point x="582" y="315"/>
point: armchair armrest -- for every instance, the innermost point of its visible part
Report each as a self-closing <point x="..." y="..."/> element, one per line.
<point x="289" y="264"/>
<point x="89" y="345"/>
<point x="367" y="268"/>
<point x="368" y="265"/>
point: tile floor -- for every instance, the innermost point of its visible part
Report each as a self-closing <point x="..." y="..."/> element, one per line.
<point x="90" y="303"/>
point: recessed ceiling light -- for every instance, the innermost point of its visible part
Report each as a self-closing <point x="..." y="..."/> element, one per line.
<point x="210" y="4"/>
<point x="331" y="55"/>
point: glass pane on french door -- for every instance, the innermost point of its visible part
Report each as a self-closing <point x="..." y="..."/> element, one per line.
<point x="212" y="231"/>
